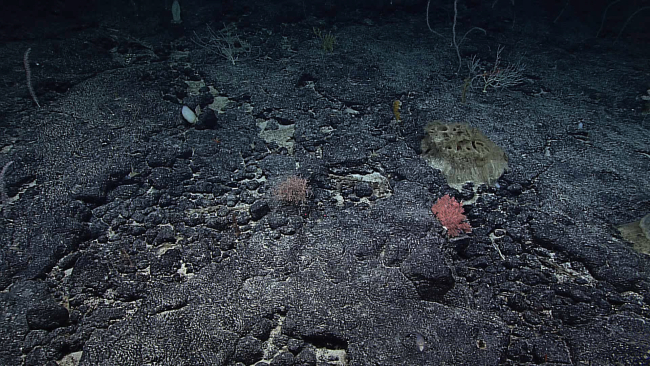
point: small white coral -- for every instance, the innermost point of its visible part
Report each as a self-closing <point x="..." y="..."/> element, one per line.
<point x="646" y="110"/>
<point x="646" y="97"/>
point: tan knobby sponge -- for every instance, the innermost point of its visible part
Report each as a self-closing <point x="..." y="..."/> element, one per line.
<point x="462" y="153"/>
<point x="638" y="233"/>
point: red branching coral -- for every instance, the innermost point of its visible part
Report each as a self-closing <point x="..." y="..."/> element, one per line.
<point x="450" y="214"/>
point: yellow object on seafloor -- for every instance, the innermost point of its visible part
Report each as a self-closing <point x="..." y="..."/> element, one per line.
<point x="396" y="106"/>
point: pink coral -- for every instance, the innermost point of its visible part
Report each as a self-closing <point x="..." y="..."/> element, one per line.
<point x="450" y="214"/>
